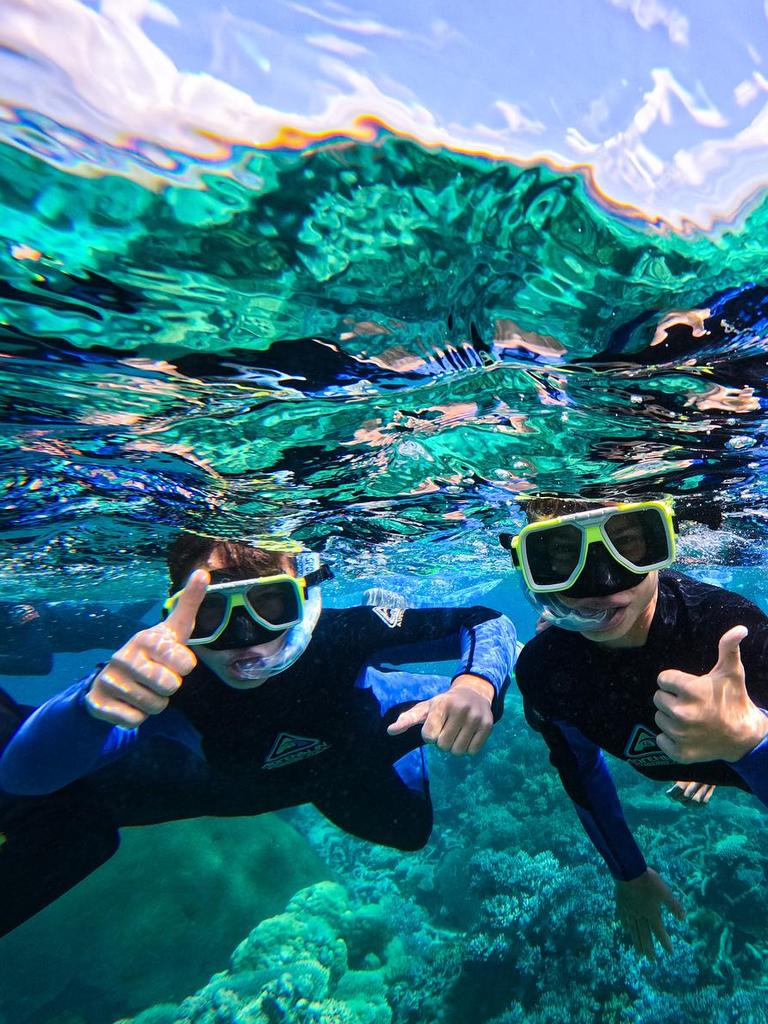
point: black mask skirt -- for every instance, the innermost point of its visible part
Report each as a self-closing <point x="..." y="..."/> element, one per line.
<point x="602" y="575"/>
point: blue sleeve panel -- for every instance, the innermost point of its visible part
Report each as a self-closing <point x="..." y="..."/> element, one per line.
<point x="484" y="641"/>
<point x="753" y="768"/>
<point x="589" y="784"/>
<point x="61" y="741"/>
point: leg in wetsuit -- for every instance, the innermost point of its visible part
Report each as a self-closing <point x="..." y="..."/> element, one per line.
<point x="50" y="843"/>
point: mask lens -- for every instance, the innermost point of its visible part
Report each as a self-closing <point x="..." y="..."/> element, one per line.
<point x="553" y="555"/>
<point x="210" y="615"/>
<point x="275" y="603"/>
<point x="639" y="537"/>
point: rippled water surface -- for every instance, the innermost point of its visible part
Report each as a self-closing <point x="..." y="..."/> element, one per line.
<point x="369" y="343"/>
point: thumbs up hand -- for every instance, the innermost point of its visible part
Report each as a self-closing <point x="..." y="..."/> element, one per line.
<point x="709" y="717"/>
<point x="140" y="678"/>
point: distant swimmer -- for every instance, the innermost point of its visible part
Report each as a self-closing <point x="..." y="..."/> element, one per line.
<point x="32" y="632"/>
<point x="652" y="666"/>
<point x="247" y="698"/>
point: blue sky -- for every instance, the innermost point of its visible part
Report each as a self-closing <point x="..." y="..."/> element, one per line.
<point x="667" y="101"/>
<point x="563" y="62"/>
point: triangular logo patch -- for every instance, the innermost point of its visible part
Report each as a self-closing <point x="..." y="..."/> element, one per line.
<point x="287" y="749"/>
<point x="641" y="748"/>
<point x="391" y="617"/>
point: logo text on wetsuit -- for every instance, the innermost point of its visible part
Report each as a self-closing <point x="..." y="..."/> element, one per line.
<point x="391" y="617"/>
<point x="287" y="749"/>
<point x="641" y="749"/>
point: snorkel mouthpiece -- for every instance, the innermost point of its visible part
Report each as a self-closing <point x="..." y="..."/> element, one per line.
<point x="553" y="611"/>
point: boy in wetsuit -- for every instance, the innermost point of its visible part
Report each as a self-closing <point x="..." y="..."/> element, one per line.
<point x="246" y="699"/>
<point x="650" y="665"/>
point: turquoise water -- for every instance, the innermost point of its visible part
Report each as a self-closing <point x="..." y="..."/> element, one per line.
<point x="377" y="346"/>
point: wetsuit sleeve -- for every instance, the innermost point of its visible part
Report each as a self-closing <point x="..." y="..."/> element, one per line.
<point x="61" y="742"/>
<point x="753" y="767"/>
<point x="483" y="640"/>
<point x="588" y="782"/>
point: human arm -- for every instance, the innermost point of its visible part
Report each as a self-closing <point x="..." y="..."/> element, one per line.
<point x="482" y="641"/>
<point x="58" y="743"/>
<point x="460" y="718"/>
<point x="640" y="892"/>
<point x="98" y="718"/>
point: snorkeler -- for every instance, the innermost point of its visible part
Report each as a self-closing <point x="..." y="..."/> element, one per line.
<point x="654" y="667"/>
<point x="249" y="697"/>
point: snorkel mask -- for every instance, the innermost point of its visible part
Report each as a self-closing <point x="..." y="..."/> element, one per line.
<point x="254" y="612"/>
<point x="594" y="553"/>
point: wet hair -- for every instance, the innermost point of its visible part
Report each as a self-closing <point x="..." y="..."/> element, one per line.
<point x="551" y="507"/>
<point x="188" y="550"/>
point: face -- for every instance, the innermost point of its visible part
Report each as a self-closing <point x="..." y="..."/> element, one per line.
<point x="631" y="613"/>
<point x="235" y="666"/>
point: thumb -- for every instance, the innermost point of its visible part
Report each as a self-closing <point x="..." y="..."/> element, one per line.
<point x="181" y="621"/>
<point x="416" y="715"/>
<point x="728" y="654"/>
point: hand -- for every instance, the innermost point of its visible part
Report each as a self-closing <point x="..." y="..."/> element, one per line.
<point x="459" y="720"/>
<point x="698" y="793"/>
<point x="638" y="908"/>
<point x="709" y="717"/>
<point x="142" y="676"/>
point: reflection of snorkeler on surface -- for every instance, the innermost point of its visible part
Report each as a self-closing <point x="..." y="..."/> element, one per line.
<point x="248" y="698"/>
<point x="657" y="668"/>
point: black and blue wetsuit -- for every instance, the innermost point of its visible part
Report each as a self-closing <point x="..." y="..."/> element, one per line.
<point x="585" y="698"/>
<point x="316" y="733"/>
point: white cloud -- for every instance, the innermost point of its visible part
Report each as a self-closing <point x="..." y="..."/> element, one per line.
<point x="516" y="119"/>
<point x="750" y="88"/>
<point x="335" y="44"/>
<point x="649" y="13"/>
<point x="363" y="27"/>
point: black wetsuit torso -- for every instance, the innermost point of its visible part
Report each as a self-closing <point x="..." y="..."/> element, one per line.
<point x="607" y="693"/>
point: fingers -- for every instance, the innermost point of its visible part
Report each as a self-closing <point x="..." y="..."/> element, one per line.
<point x="458" y="722"/>
<point x="407" y="719"/>
<point x="116" y="686"/>
<point x="113" y="711"/>
<point x="434" y="723"/>
<point x="151" y="650"/>
<point x="140" y="678"/>
<point x="181" y="621"/>
<point x="662" y="936"/>
<point x="696" y="793"/>
<point x="673" y="681"/>
<point x="673" y="904"/>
